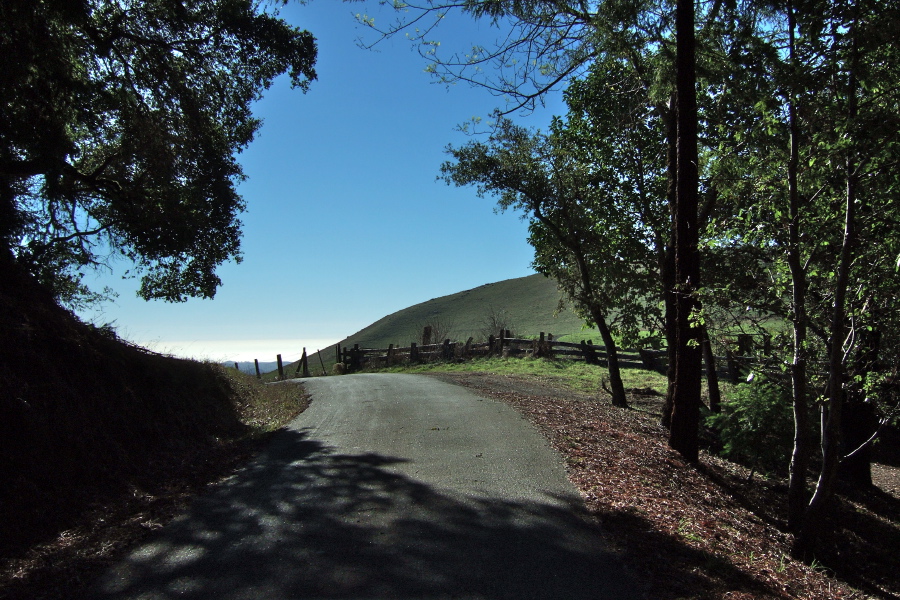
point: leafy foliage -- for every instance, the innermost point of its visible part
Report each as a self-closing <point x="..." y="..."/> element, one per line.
<point x="798" y="123"/>
<point x="756" y="425"/>
<point x="120" y="127"/>
<point x="595" y="209"/>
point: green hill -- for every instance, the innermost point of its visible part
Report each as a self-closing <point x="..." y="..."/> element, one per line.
<point x="529" y="305"/>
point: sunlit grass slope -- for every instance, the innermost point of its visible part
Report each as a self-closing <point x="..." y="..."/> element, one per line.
<point x="529" y="302"/>
<point x="531" y="305"/>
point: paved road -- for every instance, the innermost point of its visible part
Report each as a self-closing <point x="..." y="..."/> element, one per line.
<point x="388" y="486"/>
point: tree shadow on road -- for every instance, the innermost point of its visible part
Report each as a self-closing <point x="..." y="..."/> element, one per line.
<point x="304" y="521"/>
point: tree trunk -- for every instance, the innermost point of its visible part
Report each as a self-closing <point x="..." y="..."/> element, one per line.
<point x="797" y="493"/>
<point x="683" y="435"/>
<point x="667" y="267"/>
<point x="712" y="378"/>
<point x="832" y="412"/>
<point x="860" y="421"/>
<point x="612" y="361"/>
<point x="615" y="377"/>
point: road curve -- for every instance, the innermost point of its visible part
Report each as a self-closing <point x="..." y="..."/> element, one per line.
<point x="387" y="486"/>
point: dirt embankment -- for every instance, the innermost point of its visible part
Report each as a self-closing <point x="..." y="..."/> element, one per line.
<point x="101" y="441"/>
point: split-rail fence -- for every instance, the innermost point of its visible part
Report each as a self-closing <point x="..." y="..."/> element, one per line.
<point x="733" y="366"/>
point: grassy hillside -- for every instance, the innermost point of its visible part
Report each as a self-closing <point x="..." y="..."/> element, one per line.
<point x="530" y="305"/>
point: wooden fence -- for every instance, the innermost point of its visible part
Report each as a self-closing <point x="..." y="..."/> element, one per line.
<point x="732" y="366"/>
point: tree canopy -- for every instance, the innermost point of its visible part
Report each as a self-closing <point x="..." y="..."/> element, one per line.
<point x="593" y="190"/>
<point x="791" y="201"/>
<point x="121" y="124"/>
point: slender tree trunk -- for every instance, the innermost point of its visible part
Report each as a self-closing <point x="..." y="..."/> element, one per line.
<point x="831" y="427"/>
<point x="683" y="434"/>
<point x="832" y="412"/>
<point x="831" y="421"/>
<point x="858" y="423"/>
<point x="712" y="378"/>
<point x="860" y="420"/>
<point x="616" y="385"/>
<point x="797" y="493"/>
<point x="667" y="268"/>
<point x="615" y="377"/>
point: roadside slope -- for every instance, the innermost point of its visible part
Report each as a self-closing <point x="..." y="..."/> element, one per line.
<point x="96" y="433"/>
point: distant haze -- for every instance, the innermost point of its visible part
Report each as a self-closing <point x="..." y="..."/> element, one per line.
<point x="231" y="351"/>
<point x="250" y="366"/>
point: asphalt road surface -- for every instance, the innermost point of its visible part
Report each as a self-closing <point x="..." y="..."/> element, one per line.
<point x="387" y="486"/>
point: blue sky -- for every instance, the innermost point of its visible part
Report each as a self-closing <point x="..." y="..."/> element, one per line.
<point x="345" y="221"/>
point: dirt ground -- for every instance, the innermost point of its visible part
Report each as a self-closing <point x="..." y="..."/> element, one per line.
<point x="705" y="531"/>
<point x="693" y="532"/>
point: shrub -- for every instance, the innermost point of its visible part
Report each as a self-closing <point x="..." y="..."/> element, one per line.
<point x="439" y="328"/>
<point x="494" y="320"/>
<point x="756" y="425"/>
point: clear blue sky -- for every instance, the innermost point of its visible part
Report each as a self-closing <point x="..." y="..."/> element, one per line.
<point x="345" y="221"/>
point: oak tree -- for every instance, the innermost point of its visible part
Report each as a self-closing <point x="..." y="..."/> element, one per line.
<point x="593" y="191"/>
<point x="120" y="129"/>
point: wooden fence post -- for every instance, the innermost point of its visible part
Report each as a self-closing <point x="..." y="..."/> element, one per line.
<point x="256" y="364"/>
<point x="502" y="343"/>
<point x="540" y="347"/>
<point x="467" y="352"/>
<point x="550" y="353"/>
<point x="596" y="361"/>
<point x="745" y="345"/>
<point x="446" y="352"/>
<point x="304" y="362"/>
<point x="491" y="343"/>
<point x="413" y="353"/>
<point x="734" y="370"/>
<point x="648" y="359"/>
<point x="390" y="355"/>
<point x="590" y="356"/>
<point x="356" y="358"/>
<point x="280" y="368"/>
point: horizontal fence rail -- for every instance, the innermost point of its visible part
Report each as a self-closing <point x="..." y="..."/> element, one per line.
<point x="351" y="359"/>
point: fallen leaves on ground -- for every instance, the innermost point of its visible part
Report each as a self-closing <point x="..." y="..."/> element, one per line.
<point x="705" y="531"/>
